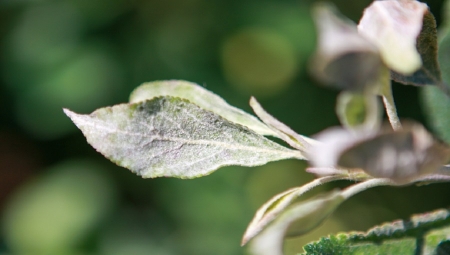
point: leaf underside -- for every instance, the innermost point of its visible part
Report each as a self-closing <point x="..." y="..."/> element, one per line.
<point x="169" y="136"/>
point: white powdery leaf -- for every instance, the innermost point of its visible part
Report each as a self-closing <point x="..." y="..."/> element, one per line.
<point x="171" y="137"/>
<point x="201" y="97"/>
<point x="332" y="142"/>
<point x="344" y="59"/>
<point x="402" y="155"/>
<point x="306" y="215"/>
<point x="394" y="25"/>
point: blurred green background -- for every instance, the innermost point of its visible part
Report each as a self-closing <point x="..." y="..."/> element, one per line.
<point x="59" y="196"/>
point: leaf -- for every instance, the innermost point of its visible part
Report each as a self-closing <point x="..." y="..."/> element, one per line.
<point x="284" y="132"/>
<point x="306" y="215"/>
<point x="277" y="204"/>
<point x="422" y="234"/>
<point x="169" y="136"/>
<point x="55" y="212"/>
<point x="394" y="26"/>
<point x="358" y="110"/>
<point x="332" y="142"/>
<point x="401" y="156"/>
<point x="427" y="46"/>
<point x="201" y="97"/>
<point x="436" y="103"/>
<point x="344" y="59"/>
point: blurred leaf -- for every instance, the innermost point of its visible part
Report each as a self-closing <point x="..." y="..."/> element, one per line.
<point x="358" y="110"/>
<point x="52" y="214"/>
<point x="169" y="136"/>
<point x="260" y="61"/>
<point x="201" y="97"/>
<point x="344" y="59"/>
<point x="284" y="132"/>
<point x="88" y="80"/>
<point x="401" y="155"/>
<point x="331" y="143"/>
<point x="306" y="215"/>
<point x="422" y="234"/>
<point x="445" y="20"/>
<point x="427" y="46"/>
<point x="436" y="103"/>
<point x="275" y="206"/>
<point x="394" y="26"/>
<point x="44" y="34"/>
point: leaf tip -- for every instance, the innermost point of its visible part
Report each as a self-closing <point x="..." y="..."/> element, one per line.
<point x="68" y="112"/>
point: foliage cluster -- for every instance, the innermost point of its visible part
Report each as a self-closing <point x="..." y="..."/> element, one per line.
<point x="179" y="129"/>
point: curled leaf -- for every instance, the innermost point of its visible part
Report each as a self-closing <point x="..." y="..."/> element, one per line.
<point x="306" y="215"/>
<point x="427" y="46"/>
<point x="284" y="132"/>
<point x="201" y="97"/>
<point x="357" y="110"/>
<point x="332" y="142"/>
<point x="168" y="136"/>
<point x="394" y="26"/>
<point x="401" y="156"/>
<point x="344" y="59"/>
<point x="275" y="206"/>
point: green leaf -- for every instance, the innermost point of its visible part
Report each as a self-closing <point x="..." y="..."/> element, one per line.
<point x="422" y="234"/>
<point x="270" y="210"/>
<point x="344" y="59"/>
<point x="306" y="215"/>
<point x="427" y="46"/>
<point x="201" y="97"/>
<point x="169" y="136"/>
<point x="436" y="103"/>
<point x="393" y="26"/>
<point x="284" y="132"/>
<point x="55" y="212"/>
<point x="358" y="110"/>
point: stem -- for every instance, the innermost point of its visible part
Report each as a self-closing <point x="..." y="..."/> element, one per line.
<point x="355" y="189"/>
<point x="391" y="110"/>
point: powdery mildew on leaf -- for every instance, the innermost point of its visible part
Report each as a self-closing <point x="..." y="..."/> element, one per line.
<point x="344" y="59"/>
<point x="306" y="215"/>
<point x="394" y="27"/>
<point x="401" y="155"/>
<point x="169" y="136"/>
<point x="427" y="46"/>
<point x="201" y="97"/>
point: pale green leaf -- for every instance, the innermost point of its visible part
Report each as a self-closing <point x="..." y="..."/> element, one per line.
<point x="344" y="59"/>
<point x="53" y="213"/>
<point x="275" y="206"/>
<point x="284" y="132"/>
<point x="357" y="110"/>
<point x="201" y="97"/>
<point x="306" y="216"/>
<point x="169" y="136"/>
<point x="422" y="234"/>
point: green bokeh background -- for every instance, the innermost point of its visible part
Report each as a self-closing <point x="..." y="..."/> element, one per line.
<point x="59" y="196"/>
